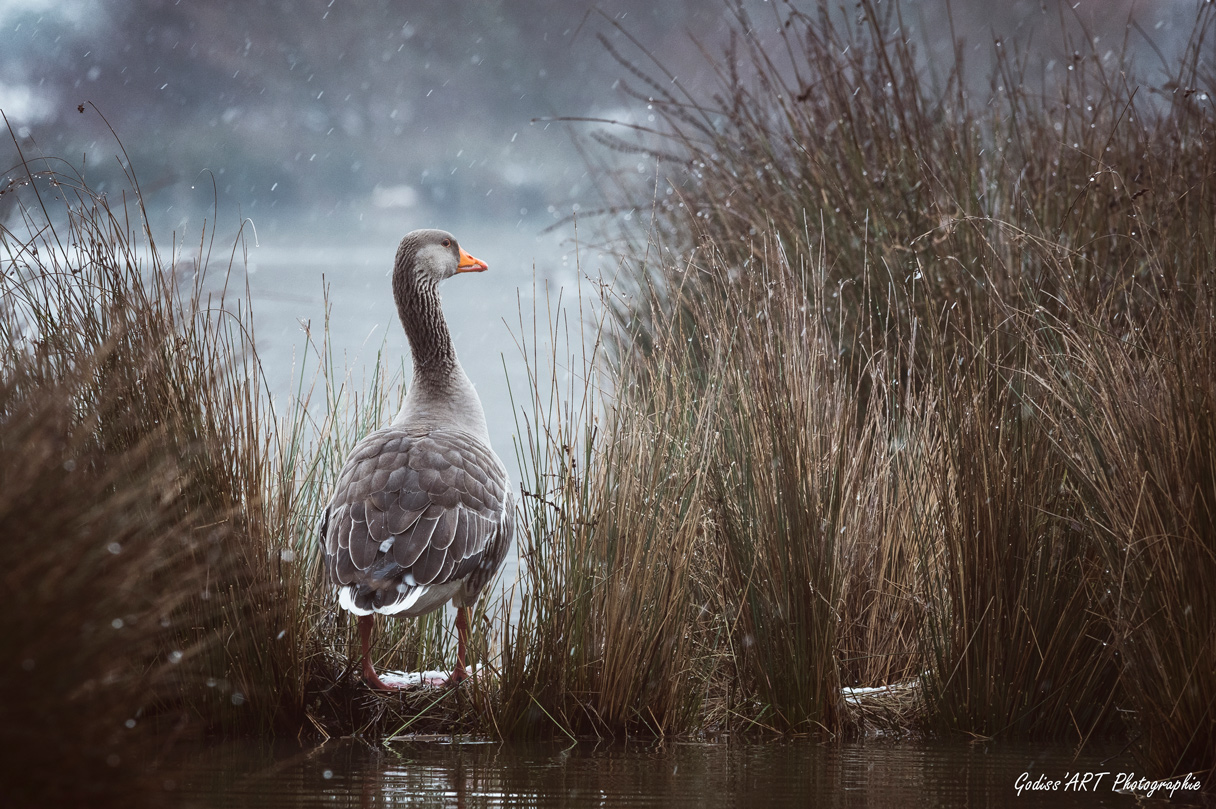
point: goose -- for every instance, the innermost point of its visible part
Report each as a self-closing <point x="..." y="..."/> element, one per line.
<point x="422" y="512"/>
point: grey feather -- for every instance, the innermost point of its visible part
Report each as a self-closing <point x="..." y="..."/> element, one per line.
<point x="442" y="503"/>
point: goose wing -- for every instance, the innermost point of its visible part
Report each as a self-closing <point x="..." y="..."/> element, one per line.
<point x="412" y="512"/>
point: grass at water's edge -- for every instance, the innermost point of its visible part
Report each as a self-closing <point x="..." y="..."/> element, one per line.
<point x="970" y="438"/>
<point x="886" y="402"/>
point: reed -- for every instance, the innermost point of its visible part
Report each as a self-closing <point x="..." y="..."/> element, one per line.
<point x="1135" y="415"/>
<point x="614" y="525"/>
<point x="1014" y="644"/>
<point x="789" y="470"/>
<point x="162" y="558"/>
<point x="971" y="255"/>
<point x="126" y="438"/>
<point x="90" y="531"/>
<point x="913" y="190"/>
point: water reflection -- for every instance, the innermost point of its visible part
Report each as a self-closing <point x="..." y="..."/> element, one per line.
<point x="441" y="772"/>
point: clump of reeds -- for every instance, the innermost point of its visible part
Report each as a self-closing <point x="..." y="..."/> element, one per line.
<point x="611" y="545"/>
<point x="1007" y="284"/>
<point x="789" y="474"/>
<point x="1136" y="417"/>
<point x="908" y="190"/>
<point x="147" y="553"/>
<point x="109" y="509"/>
<point x="1015" y="646"/>
<point x="92" y="536"/>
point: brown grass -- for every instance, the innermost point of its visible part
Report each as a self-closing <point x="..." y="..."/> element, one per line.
<point x="1001" y="289"/>
<point x="129" y="488"/>
<point x="613" y="512"/>
<point x="1014" y="643"/>
<point x="1136" y="412"/>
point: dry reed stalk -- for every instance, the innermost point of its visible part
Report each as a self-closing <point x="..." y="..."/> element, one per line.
<point x="794" y="476"/>
<point x="613" y="519"/>
<point x="1137" y="417"/>
<point x="951" y="230"/>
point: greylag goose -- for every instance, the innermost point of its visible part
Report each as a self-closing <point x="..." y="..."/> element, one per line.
<point x="422" y="512"/>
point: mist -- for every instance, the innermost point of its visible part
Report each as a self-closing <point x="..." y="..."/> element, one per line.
<point x="321" y="131"/>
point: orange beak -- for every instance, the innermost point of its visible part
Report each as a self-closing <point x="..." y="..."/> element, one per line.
<point x="470" y="264"/>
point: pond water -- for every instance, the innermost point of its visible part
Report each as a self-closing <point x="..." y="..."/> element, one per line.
<point x="446" y="772"/>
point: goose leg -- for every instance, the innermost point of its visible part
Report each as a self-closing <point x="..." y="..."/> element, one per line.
<point x="369" y="672"/>
<point x="459" y="674"/>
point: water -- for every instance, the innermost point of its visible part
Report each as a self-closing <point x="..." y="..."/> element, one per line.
<point x="442" y="772"/>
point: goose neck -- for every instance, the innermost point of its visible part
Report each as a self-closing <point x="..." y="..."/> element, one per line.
<point x="421" y="313"/>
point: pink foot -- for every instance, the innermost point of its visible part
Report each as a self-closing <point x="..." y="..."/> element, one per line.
<point x="454" y="679"/>
<point x="376" y="684"/>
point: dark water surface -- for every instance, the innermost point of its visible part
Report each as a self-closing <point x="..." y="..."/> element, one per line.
<point x="442" y="772"/>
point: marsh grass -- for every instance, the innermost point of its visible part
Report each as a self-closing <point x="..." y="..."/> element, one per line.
<point x="1135" y="409"/>
<point x="789" y="467"/>
<point x="1014" y="643"/>
<point x="134" y="473"/>
<point x="86" y="627"/>
<point x="613" y="515"/>
<point x="835" y="141"/>
<point x="1001" y="349"/>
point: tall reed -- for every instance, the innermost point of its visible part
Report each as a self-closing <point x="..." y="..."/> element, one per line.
<point x="1136" y="416"/>
<point x="910" y="190"/>
<point x="1014" y="643"/>
<point x="159" y="544"/>
<point x="790" y="469"/>
<point x="995" y="274"/>
<point x="125" y="438"/>
<point x="611" y="550"/>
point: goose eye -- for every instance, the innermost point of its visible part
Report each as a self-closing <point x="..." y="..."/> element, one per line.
<point x="447" y="242"/>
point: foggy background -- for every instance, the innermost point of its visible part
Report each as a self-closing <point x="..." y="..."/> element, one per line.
<point x="333" y="127"/>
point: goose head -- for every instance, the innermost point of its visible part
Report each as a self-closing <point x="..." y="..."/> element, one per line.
<point x="431" y="256"/>
<point x="424" y="258"/>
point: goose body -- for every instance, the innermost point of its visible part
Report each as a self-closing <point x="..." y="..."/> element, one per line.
<point x="422" y="513"/>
